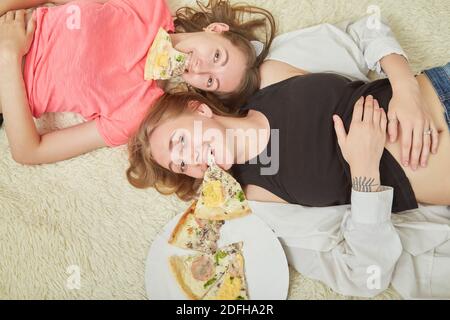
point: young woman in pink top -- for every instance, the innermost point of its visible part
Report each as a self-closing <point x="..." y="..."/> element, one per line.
<point x="88" y="57"/>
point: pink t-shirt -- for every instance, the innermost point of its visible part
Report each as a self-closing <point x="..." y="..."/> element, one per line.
<point x="94" y="65"/>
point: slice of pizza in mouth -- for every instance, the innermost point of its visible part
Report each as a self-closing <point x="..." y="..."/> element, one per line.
<point x="163" y="61"/>
<point x="212" y="276"/>
<point x="196" y="234"/>
<point x="221" y="196"/>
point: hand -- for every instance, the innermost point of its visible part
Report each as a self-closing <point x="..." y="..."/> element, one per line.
<point x="407" y="108"/>
<point x="15" y="36"/>
<point x="363" y="147"/>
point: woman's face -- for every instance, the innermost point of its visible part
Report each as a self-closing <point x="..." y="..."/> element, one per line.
<point x="182" y="144"/>
<point x="215" y="64"/>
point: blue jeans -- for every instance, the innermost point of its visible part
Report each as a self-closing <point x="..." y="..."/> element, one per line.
<point x="440" y="79"/>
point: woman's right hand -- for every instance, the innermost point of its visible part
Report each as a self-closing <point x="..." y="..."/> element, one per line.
<point x="363" y="146"/>
<point x="16" y="36"/>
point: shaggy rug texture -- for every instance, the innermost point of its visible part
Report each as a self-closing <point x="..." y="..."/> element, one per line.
<point x="82" y="212"/>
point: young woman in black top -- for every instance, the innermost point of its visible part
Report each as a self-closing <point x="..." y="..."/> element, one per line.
<point x="312" y="168"/>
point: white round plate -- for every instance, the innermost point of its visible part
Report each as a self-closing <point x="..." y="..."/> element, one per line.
<point x="266" y="267"/>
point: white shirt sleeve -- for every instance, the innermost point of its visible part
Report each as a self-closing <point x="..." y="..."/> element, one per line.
<point x="366" y="259"/>
<point x="375" y="39"/>
<point x="363" y="262"/>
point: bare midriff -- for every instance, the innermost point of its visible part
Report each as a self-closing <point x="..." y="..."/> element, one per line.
<point x="431" y="184"/>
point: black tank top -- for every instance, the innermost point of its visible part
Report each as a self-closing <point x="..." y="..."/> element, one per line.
<point x="312" y="171"/>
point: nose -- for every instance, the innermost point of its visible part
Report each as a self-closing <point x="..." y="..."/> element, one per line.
<point x="199" y="66"/>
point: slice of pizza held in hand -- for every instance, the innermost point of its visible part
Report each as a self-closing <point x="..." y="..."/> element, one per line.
<point x="196" y="234"/>
<point x="221" y="196"/>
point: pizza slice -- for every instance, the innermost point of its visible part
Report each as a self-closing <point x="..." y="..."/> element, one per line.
<point x="221" y="196"/>
<point x="233" y="284"/>
<point x="163" y="61"/>
<point x="196" y="234"/>
<point x="197" y="274"/>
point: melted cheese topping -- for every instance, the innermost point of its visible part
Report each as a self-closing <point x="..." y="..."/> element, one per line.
<point x="230" y="289"/>
<point x="162" y="60"/>
<point x="213" y="194"/>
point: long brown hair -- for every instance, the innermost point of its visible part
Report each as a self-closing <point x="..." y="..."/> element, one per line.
<point x="247" y="23"/>
<point x="144" y="171"/>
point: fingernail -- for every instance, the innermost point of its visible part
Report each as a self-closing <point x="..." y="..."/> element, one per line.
<point x="405" y="163"/>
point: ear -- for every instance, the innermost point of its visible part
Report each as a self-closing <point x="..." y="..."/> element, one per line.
<point x="204" y="110"/>
<point x="217" y="27"/>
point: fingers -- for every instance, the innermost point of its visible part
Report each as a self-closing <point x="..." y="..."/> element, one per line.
<point x="406" y="146"/>
<point x="358" y="110"/>
<point x="435" y="138"/>
<point x="20" y="16"/>
<point x="31" y="26"/>
<point x="417" y="144"/>
<point x="384" y="120"/>
<point x="13" y="15"/>
<point x="392" y="127"/>
<point x="376" y="114"/>
<point x="10" y="16"/>
<point x="426" y="149"/>
<point x="368" y="109"/>
<point x="340" y="130"/>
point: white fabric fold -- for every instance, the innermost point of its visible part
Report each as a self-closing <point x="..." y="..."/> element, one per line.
<point x="346" y="246"/>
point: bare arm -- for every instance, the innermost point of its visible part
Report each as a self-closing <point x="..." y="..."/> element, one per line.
<point x="27" y="146"/>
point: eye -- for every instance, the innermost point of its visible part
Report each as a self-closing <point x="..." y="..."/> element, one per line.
<point x="210" y="82"/>
<point x="217" y="56"/>
<point x="182" y="166"/>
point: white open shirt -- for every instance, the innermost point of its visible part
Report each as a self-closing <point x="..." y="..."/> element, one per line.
<point x="347" y="247"/>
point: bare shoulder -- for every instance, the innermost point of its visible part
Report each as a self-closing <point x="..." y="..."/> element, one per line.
<point x="255" y="193"/>
<point x="273" y="71"/>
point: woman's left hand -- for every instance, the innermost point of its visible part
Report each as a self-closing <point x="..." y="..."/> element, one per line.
<point x="15" y="36"/>
<point x="407" y="111"/>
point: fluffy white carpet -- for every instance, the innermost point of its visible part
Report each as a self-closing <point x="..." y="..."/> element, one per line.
<point x="83" y="212"/>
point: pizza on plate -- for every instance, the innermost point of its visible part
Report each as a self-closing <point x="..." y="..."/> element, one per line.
<point x="218" y="276"/>
<point x="196" y="234"/>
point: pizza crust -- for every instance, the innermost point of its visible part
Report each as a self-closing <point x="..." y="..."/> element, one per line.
<point x="177" y="230"/>
<point x="177" y="268"/>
